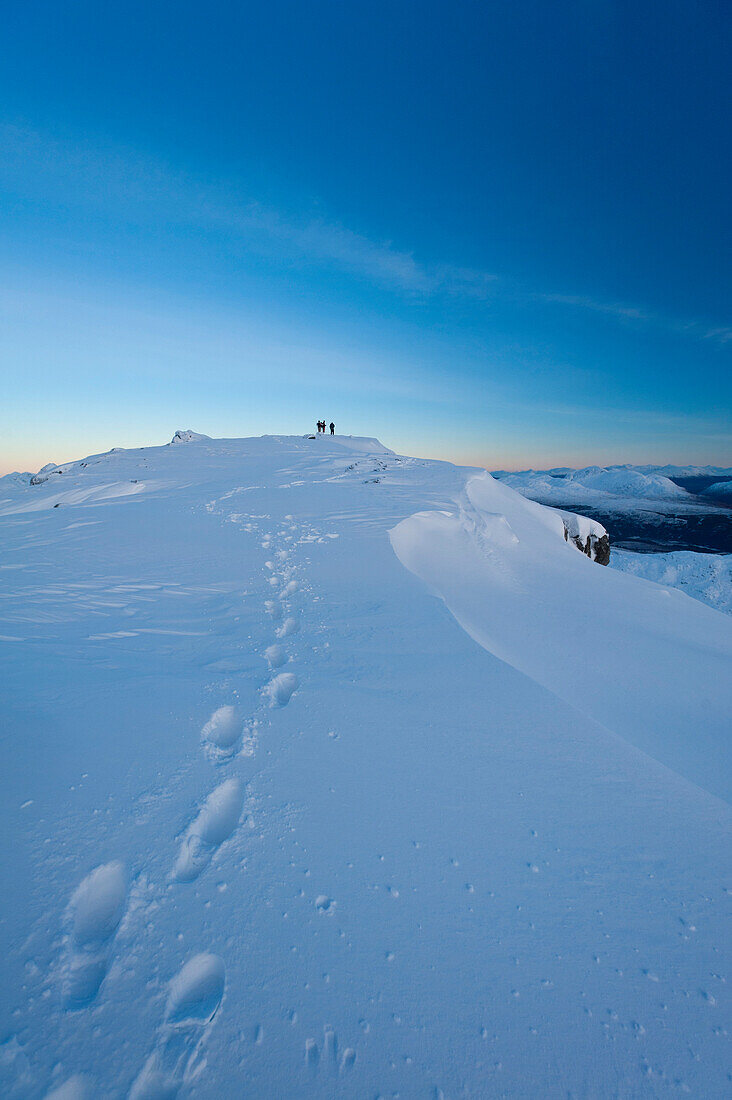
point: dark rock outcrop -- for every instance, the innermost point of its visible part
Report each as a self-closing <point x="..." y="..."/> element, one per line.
<point x="589" y="536"/>
<point x="596" y="548"/>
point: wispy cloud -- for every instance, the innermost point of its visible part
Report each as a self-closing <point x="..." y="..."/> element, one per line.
<point x="721" y="335"/>
<point x="318" y="241"/>
<point x="610" y="308"/>
<point x="133" y="187"/>
<point x="698" y="330"/>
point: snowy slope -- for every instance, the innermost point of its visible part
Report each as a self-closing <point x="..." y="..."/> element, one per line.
<point x="720" y="490"/>
<point x="706" y="577"/>
<point x="285" y="824"/>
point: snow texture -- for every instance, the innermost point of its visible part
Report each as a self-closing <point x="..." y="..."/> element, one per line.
<point x="705" y="577"/>
<point x="334" y="772"/>
<point x="720" y="490"/>
<point x="187" y="436"/>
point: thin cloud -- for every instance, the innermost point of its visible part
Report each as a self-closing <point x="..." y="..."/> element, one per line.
<point x="696" y="329"/>
<point x="128" y="183"/>
<point x="613" y="309"/>
<point x="722" y="335"/>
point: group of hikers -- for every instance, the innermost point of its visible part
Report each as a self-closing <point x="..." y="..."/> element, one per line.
<point x="321" y="427"/>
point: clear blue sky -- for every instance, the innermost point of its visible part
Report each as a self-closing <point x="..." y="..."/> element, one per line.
<point x="491" y="231"/>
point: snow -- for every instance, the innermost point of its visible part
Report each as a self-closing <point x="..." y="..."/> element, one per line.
<point x="581" y="527"/>
<point x="442" y="811"/>
<point x="94" y="914"/>
<point x="628" y="483"/>
<point x="667" y="471"/>
<point x="98" y="904"/>
<point x="196" y="991"/>
<point x="92" y="494"/>
<point x="223" y="728"/>
<point x="720" y="490"/>
<point x="214" y="824"/>
<point x="705" y="577"/>
<point x="187" y="436"/>
<point x="684" y="471"/>
<point x="597" y="485"/>
<point x="495" y="597"/>
<point x="280" y="688"/>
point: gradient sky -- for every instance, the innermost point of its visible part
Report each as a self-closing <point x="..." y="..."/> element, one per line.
<point x="488" y="231"/>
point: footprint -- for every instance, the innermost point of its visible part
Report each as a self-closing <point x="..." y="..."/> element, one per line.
<point x="194" y="997"/>
<point x="272" y="608"/>
<point x="215" y="823"/>
<point x="330" y="1044"/>
<point x="195" y="993"/>
<point x="275" y="655"/>
<point x="290" y="588"/>
<point x="280" y="688"/>
<point x="330" y="1062"/>
<point x="95" y="911"/>
<point x="222" y="731"/>
<point x="289" y="626"/>
<point x="312" y="1054"/>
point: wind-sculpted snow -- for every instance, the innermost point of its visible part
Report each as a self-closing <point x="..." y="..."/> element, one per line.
<point x="282" y="823"/>
<point x="582" y="648"/>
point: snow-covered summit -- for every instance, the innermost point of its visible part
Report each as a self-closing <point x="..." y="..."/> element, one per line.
<point x="332" y="771"/>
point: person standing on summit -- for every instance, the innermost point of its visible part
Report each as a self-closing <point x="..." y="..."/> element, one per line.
<point x="332" y="428"/>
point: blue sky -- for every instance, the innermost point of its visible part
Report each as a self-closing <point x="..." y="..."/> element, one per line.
<point x="487" y="231"/>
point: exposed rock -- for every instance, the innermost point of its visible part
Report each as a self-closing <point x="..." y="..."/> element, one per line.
<point x="187" y="436"/>
<point x="597" y="548"/>
<point x="588" y="535"/>
<point x="44" y="473"/>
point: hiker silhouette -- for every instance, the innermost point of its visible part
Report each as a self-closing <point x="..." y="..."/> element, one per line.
<point x="332" y="428"/>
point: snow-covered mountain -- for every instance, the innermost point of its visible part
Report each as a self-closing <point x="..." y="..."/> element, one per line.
<point x="668" y="471"/>
<point x="333" y="772"/>
<point x="618" y="486"/>
<point x="720" y="490"/>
